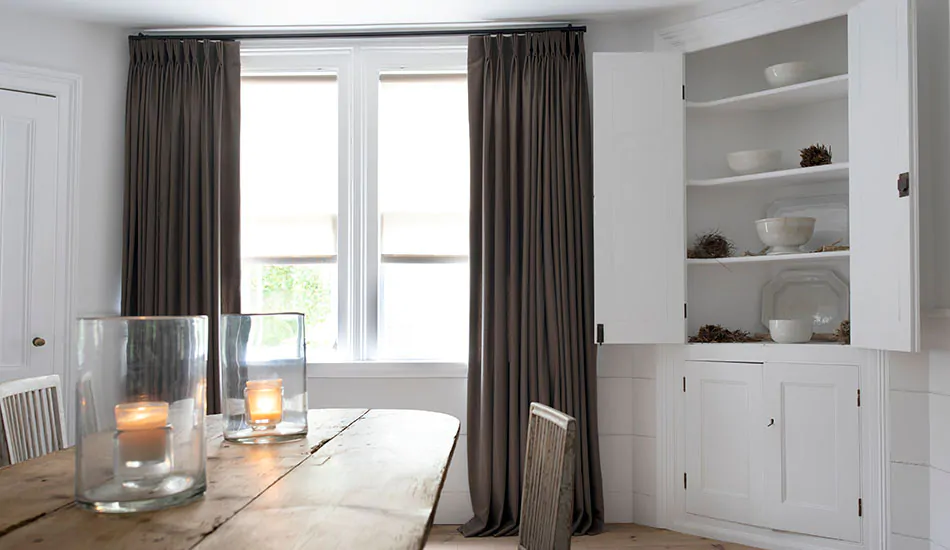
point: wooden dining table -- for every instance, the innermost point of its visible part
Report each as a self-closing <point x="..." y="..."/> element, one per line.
<point x="361" y="479"/>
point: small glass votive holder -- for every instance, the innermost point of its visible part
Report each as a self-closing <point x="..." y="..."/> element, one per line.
<point x="263" y="377"/>
<point x="140" y="440"/>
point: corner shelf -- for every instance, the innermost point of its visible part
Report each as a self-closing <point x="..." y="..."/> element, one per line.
<point x="794" y="176"/>
<point x="814" y="91"/>
<point x="784" y="258"/>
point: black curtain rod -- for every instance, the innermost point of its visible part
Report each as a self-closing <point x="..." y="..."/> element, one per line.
<point x="365" y="34"/>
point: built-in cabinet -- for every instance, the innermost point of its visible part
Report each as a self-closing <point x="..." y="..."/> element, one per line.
<point x="769" y="445"/>
<point x="775" y="445"/>
<point x="663" y="125"/>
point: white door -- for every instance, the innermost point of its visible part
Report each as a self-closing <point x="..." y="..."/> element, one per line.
<point x="28" y="229"/>
<point x="812" y="450"/>
<point x="639" y="217"/>
<point x="884" y="222"/>
<point x="723" y="440"/>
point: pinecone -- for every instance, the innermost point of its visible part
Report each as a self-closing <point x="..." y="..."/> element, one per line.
<point x="843" y="332"/>
<point x="815" y="155"/>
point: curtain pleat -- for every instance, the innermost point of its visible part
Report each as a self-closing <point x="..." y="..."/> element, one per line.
<point x="181" y="249"/>
<point x="531" y="254"/>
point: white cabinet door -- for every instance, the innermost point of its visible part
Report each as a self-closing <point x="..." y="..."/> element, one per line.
<point x="884" y="224"/>
<point x="29" y="134"/>
<point x="812" y="450"/>
<point x="723" y="440"/>
<point x="639" y="215"/>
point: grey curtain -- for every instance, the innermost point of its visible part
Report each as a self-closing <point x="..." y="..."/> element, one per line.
<point x="181" y="252"/>
<point x="531" y="268"/>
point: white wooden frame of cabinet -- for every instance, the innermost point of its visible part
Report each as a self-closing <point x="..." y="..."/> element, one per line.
<point x="757" y="19"/>
<point x="671" y="501"/>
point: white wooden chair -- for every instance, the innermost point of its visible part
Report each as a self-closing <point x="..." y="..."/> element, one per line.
<point x="31" y="416"/>
<point x="547" y="496"/>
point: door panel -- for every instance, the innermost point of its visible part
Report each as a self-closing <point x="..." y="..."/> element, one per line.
<point x="723" y="440"/>
<point x="28" y="228"/>
<point x="812" y="451"/>
<point x="639" y="216"/>
<point x="884" y="225"/>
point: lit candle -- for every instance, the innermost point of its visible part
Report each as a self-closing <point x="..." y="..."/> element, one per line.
<point x="264" y="400"/>
<point x="141" y="435"/>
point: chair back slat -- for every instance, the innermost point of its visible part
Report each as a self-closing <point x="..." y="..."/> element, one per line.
<point x="547" y="496"/>
<point x="31" y="417"/>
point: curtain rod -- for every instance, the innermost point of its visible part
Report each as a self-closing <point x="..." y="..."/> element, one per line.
<point x="359" y="34"/>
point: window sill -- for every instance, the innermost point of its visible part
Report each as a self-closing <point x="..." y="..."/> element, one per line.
<point x="388" y="369"/>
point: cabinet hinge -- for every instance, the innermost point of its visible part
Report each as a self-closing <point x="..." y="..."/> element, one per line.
<point x="860" y="508"/>
<point x="859" y="398"/>
<point x="600" y="333"/>
<point x="684" y="92"/>
<point x="903" y="185"/>
<point x="684" y="480"/>
<point x="684" y="383"/>
<point x="685" y="311"/>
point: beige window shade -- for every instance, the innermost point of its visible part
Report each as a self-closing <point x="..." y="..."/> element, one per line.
<point x="424" y="234"/>
<point x="311" y="236"/>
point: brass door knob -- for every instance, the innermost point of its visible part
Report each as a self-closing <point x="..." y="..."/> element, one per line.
<point x="38" y="342"/>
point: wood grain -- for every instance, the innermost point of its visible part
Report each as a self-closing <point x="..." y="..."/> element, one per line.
<point x="375" y="487"/>
<point x="34" y="488"/>
<point x="237" y="475"/>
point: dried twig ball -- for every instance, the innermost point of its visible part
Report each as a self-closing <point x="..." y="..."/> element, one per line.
<point x="717" y="334"/>
<point x="815" y="155"/>
<point x="711" y="245"/>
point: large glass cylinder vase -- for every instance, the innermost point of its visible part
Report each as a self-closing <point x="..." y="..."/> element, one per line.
<point x="264" y="377"/>
<point x="140" y="403"/>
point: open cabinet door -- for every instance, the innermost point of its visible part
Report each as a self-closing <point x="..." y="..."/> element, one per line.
<point x="884" y="184"/>
<point x="639" y="244"/>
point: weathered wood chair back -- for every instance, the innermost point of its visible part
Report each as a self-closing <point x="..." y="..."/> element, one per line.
<point x="547" y="496"/>
<point x="31" y="416"/>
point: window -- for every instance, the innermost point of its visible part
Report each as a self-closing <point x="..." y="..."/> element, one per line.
<point x="355" y="196"/>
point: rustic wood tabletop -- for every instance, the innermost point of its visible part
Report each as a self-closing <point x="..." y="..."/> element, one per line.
<point x="362" y="479"/>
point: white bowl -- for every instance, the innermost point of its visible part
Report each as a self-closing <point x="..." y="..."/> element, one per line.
<point x="790" y="331"/>
<point x="753" y="162"/>
<point x="786" y="74"/>
<point x="785" y="235"/>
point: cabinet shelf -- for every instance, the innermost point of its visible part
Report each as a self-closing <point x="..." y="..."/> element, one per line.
<point x="803" y="257"/>
<point x="794" y="176"/>
<point x="815" y="91"/>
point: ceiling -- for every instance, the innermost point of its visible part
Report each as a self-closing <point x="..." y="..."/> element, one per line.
<point x="140" y="14"/>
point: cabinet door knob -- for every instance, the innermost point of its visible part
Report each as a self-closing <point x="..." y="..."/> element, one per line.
<point x="38" y="342"/>
<point x="771" y="423"/>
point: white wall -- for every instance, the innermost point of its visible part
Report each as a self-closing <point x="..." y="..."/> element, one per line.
<point x="920" y="442"/>
<point x="99" y="55"/>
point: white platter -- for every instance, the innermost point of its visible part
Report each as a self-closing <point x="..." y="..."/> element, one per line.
<point x="816" y="294"/>
<point x="829" y="211"/>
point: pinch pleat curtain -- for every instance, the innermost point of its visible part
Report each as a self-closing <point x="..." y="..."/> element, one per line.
<point x="181" y="248"/>
<point x="531" y="260"/>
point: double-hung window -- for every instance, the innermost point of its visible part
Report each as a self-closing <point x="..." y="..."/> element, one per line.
<point x="355" y="195"/>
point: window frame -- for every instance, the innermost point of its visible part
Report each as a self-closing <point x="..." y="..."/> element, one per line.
<point x="357" y="65"/>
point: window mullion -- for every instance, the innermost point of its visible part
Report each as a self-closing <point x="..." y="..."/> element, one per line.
<point x="347" y="263"/>
<point x="370" y="225"/>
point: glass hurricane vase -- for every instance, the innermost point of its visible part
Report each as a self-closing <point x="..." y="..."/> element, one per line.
<point x="263" y="377"/>
<point x="140" y="399"/>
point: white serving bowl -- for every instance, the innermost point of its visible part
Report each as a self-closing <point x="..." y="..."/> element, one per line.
<point x="785" y="235"/>
<point x="786" y="74"/>
<point x="753" y="162"/>
<point x="790" y="331"/>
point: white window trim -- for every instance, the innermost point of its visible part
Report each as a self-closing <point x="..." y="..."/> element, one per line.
<point x="357" y="64"/>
